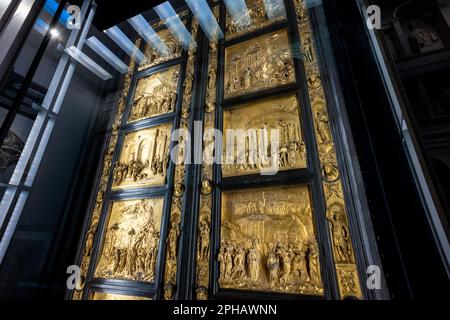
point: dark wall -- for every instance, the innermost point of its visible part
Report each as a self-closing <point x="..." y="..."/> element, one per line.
<point x="411" y="261"/>
<point x="37" y="252"/>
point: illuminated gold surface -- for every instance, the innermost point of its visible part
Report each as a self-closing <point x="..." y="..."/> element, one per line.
<point x="143" y="159"/>
<point x="281" y="114"/>
<point x="155" y="94"/>
<point x="260" y="63"/>
<point x="204" y="224"/>
<point x="176" y="209"/>
<point x="258" y="18"/>
<point x="106" y="168"/>
<point x="112" y="296"/>
<point x="154" y="58"/>
<point x="268" y="241"/>
<point x="130" y="245"/>
<point x="336" y="212"/>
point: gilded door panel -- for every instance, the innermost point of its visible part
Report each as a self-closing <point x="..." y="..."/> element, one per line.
<point x="259" y="18"/>
<point x="255" y="119"/>
<point x="112" y="296"/>
<point x="172" y="50"/>
<point x="131" y="239"/>
<point x="155" y="94"/>
<point x="143" y="158"/>
<point x="268" y="241"/>
<point x="260" y="63"/>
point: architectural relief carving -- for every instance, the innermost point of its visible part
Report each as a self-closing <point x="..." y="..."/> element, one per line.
<point x="258" y="19"/>
<point x="255" y="118"/>
<point x="155" y="94"/>
<point x="154" y="57"/>
<point x="348" y="279"/>
<point x="204" y="226"/>
<point x="103" y="183"/>
<point x="268" y="241"/>
<point x="143" y="159"/>
<point x="260" y="63"/>
<point x="131" y="240"/>
<point x="174" y="232"/>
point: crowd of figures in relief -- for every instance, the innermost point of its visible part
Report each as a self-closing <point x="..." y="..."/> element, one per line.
<point x="256" y="148"/>
<point x="268" y="242"/>
<point x="155" y="95"/>
<point x="144" y="158"/>
<point x="260" y="63"/>
<point x="257" y="18"/>
<point x="130" y="247"/>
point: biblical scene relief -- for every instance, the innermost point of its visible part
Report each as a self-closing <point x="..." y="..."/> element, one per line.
<point x="260" y="63"/>
<point x="155" y="95"/>
<point x="258" y="119"/>
<point x="112" y="296"/>
<point x="130" y="245"/>
<point x="144" y="158"/>
<point x="268" y="241"/>
<point x="259" y="18"/>
<point x="172" y="50"/>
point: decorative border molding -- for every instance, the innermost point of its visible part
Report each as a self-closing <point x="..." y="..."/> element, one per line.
<point x="336" y="212"/>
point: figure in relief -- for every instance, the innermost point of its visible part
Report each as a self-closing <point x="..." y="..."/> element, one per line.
<point x="155" y="94"/>
<point x="144" y="157"/>
<point x="341" y="235"/>
<point x="131" y="240"/>
<point x="260" y="63"/>
<point x="268" y="241"/>
<point x="261" y="120"/>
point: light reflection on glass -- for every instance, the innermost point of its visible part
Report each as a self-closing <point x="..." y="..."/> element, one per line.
<point x="274" y="9"/>
<point x="206" y="18"/>
<point x="125" y="44"/>
<point x="148" y="34"/>
<point x="175" y="25"/>
<point x="239" y="13"/>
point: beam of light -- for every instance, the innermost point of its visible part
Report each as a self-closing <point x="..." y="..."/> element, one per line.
<point x="239" y="13"/>
<point x="175" y="25"/>
<point x="125" y="44"/>
<point x="106" y="54"/>
<point x="206" y="18"/>
<point x="274" y="9"/>
<point x="148" y="34"/>
<point x="41" y="26"/>
<point x="88" y="63"/>
<point x="51" y="6"/>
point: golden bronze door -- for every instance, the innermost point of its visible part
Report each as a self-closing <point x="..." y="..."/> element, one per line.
<point x="228" y="226"/>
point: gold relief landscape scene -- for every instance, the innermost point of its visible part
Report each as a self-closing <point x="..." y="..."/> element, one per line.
<point x="172" y="50"/>
<point x="268" y="241"/>
<point x="130" y="245"/>
<point x="144" y="158"/>
<point x="260" y="63"/>
<point x="258" y="119"/>
<point x="155" y="94"/>
<point x="258" y="19"/>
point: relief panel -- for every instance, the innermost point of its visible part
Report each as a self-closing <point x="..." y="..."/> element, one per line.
<point x="260" y="63"/>
<point x="155" y="94"/>
<point x="268" y="241"/>
<point x="258" y="18"/>
<point x="143" y="159"/>
<point x="172" y="46"/>
<point x="130" y="244"/>
<point x="112" y="296"/>
<point x="258" y="120"/>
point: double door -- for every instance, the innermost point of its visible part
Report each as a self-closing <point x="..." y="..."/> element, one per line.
<point x="221" y="178"/>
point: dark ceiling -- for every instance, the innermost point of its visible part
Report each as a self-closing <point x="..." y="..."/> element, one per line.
<point x="110" y="13"/>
